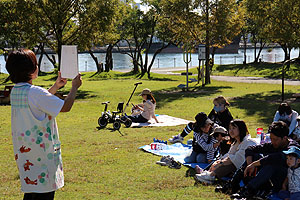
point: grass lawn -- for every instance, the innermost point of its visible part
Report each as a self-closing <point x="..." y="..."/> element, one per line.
<point x="267" y="70"/>
<point x="102" y="164"/>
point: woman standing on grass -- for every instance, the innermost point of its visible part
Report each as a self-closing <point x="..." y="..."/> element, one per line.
<point x="34" y="131"/>
<point x="226" y="166"/>
<point x="146" y="110"/>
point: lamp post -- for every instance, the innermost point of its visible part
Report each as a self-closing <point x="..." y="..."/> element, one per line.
<point x="287" y="62"/>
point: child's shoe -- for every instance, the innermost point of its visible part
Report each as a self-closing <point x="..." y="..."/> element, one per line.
<point x="164" y="161"/>
<point x="175" y="165"/>
<point x="176" y="138"/>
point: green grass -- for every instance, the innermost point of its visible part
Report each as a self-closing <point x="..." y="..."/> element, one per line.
<point x="103" y="164"/>
<point x="267" y="70"/>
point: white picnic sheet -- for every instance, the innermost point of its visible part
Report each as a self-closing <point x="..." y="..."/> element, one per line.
<point x="164" y="120"/>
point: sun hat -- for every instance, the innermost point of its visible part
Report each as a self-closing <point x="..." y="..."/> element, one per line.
<point x="293" y="150"/>
<point x="145" y="91"/>
<point x="220" y="129"/>
<point x="202" y="119"/>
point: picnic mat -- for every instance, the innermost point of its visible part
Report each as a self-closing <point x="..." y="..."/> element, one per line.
<point x="164" y="120"/>
<point x="178" y="151"/>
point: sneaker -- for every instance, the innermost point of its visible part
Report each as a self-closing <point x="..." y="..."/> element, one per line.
<point x="176" y="138"/>
<point x="205" y="177"/>
<point x="198" y="169"/>
<point x="175" y="165"/>
<point x="262" y="194"/>
<point x="189" y="142"/>
<point x="165" y="160"/>
<point x="245" y="193"/>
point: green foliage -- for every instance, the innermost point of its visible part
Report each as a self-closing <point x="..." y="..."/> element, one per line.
<point x="17" y="24"/>
<point x="98" y="24"/>
<point x="226" y="21"/>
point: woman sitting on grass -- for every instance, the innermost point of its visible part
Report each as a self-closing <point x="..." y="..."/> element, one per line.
<point x="287" y="115"/>
<point x="226" y="166"/>
<point x="146" y="110"/>
<point x="220" y="114"/>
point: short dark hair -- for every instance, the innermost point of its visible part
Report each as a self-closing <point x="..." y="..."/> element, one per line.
<point x="20" y="64"/>
<point x="284" y="108"/>
<point x="241" y="126"/>
<point x="279" y="129"/>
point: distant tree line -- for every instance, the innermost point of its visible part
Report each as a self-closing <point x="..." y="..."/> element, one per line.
<point x="37" y="24"/>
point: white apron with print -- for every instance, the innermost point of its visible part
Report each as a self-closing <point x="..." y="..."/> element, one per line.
<point x="36" y="146"/>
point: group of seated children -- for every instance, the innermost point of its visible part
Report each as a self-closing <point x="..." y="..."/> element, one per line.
<point x="264" y="168"/>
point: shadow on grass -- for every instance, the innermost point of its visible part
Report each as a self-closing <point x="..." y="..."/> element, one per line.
<point x="174" y="93"/>
<point x="81" y="94"/>
<point x="263" y="105"/>
<point x="160" y="79"/>
<point x="190" y="172"/>
<point x="111" y="130"/>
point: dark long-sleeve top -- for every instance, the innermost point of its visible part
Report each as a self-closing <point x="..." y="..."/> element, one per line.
<point x="271" y="155"/>
<point x="221" y="118"/>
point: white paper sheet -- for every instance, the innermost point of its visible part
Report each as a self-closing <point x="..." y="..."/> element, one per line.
<point x="69" y="61"/>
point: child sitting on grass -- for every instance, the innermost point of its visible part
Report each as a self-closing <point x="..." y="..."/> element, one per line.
<point x="220" y="134"/>
<point x="204" y="145"/>
<point x="292" y="192"/>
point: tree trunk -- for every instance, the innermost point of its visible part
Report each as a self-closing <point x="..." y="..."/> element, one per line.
<point x="213" y="56"/>
<point x="108" y="58"/>
<point x="154" y="56"/>
<point x="99" y="66"/>
<point x="262" y="45"/>
<point x="255" y="61"/>
<point x="245" y="49"/>
<point x="41" y="57"/>
<point x="135" y="66"/>
<point x="207" y="71"/>
<point x="52" y="60"/>
<point x="285" y="49"/>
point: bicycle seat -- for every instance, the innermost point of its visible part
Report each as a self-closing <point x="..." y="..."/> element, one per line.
<point x="119" y="108"/>
<point x="106" y="102"/>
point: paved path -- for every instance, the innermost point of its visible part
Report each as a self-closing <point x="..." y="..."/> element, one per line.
<point x="226" y="78"/>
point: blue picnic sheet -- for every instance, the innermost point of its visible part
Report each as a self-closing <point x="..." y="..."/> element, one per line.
<point x="178" y="151"/>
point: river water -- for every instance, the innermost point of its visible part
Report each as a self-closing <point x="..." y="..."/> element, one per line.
<point x="123" y="61"/>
